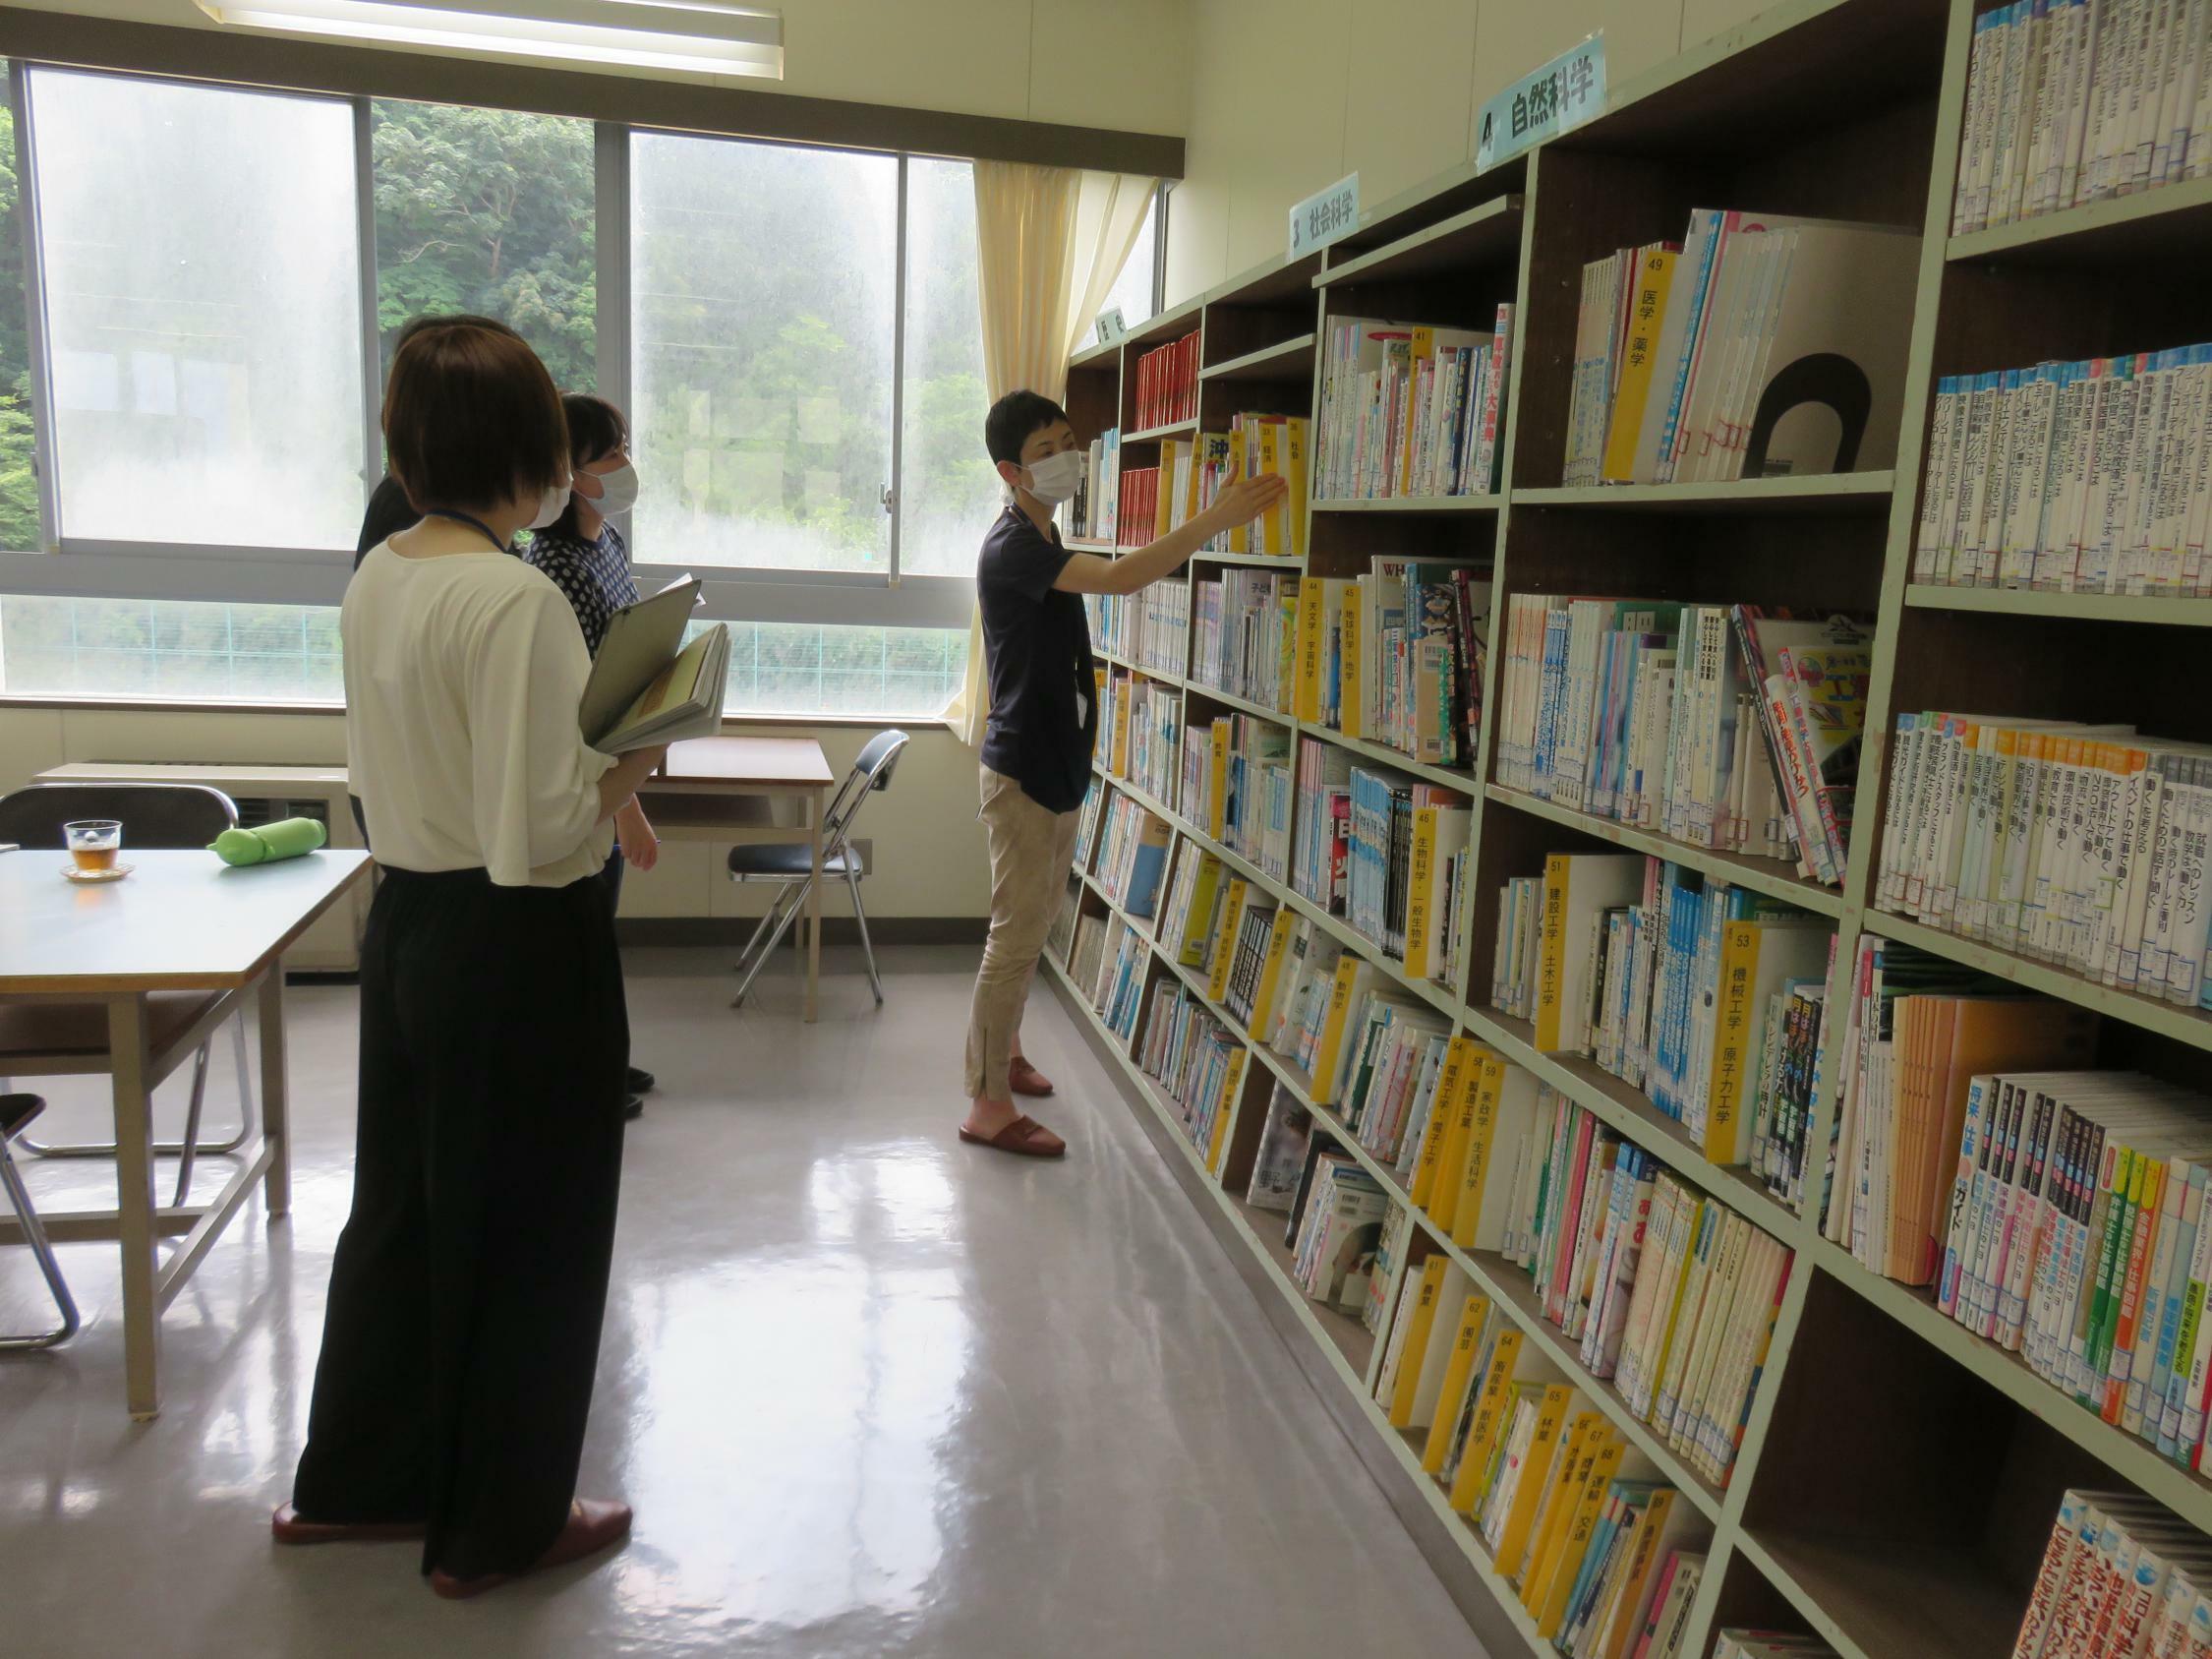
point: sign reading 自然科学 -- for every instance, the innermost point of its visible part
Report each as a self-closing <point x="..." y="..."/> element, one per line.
<point x="1558" y="98"/>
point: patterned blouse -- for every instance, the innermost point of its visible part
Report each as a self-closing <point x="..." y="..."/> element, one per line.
<point x="595" y="575"/>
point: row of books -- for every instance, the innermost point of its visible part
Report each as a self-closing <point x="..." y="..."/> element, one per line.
<point x="1133" y="852"/>
<point x="1246" y="633"/>
<point x="1147" y="628"/>
<point x="1695" y="361"/>
<point x="1060" y="940"/>
<point x="1197" y="1062"/>
<point x="2082" y="477"/>
<point x="1395" y="656"/>
<point x="1280" y="1157"/>
<point x="1136" y="505"/>
<point x="1564" y="1503"/>
<point x="1672" y="1295"/>
<point x="1237" y="788"/>
<point x="1141" y="730"/>
<point x="2082" y="845"/>
<point x="1663" y="978"/>
<point x="2069" y="101"/>
<point x="1385" y="851"/>
<point x="1215" y="924"/>
<point x="2120" y="1578"/>
<point x="1769" y="1645"/>
<point x="1410" y="409"/>
<point x="1111" y="959"/>
<point x="1716" y="725"/>
<point x="1269" y="444"/>
<point x="1094" y="513"/>
<point x="1167" y="383"/>
<point x="1093" y="813"/>
<point x="1335" y="1228"/>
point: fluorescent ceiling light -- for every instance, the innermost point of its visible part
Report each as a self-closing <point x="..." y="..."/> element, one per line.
<point x="705" y="35"/>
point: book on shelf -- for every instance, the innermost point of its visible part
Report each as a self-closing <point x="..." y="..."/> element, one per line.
<point x="1668" y="1293"/>
<point x="1117" y="992"/>
<point x="1916" y="1033"/>
<point x="1236" y="786"/>
<point x="1395" y="656"/>
<point x="1245" y="633"/>
<point x="1092" y="512"/>
<point x="1723" y="726"/>
<point x="1140" y="731"/>
<point x="1294" y="1007"/>
<point x="1131" y="855"/>
<point x="1387" y="854"/>
<point x="1391" y="1245"/>
<point x="2069" y="102"/>
<point x="1197" y="1061"/>
<point x="1270" y="444"/>
<point x="2079" y="846"/>
<point x="1063" y="935"/>
<point x="2119" y="1576"/>
<point x="1410" y="409"/>
<point x="1281" y="1156"/>
<point x="2071" y="477"/>
<point x="1737" y="352"/>
<point x="1147" y="628"/>
<point x="1167" y="383"/>
<point x="1336" y="1224"/>
<point x="1086" y="826"/>
<point x="1663" y="977"/>
<point x="1137" y="508"/>
<point x="1736" y="1643"/>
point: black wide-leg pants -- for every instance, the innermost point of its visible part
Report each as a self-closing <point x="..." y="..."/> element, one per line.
<point x="463" y="1324"/>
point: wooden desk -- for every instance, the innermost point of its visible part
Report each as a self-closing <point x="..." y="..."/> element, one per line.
<point x="722" y="790"/>
<point x="183" y="921"/>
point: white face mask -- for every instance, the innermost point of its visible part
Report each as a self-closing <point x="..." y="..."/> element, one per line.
<point x="551" y="505"/>
<point x="618" y="492"/>
<point x="1056" y="478"/>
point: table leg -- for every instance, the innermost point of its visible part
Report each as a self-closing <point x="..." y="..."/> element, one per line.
<point x="277" y="1105"/>
<point x="814" y="911"/>
<point x="134" y="1203"/>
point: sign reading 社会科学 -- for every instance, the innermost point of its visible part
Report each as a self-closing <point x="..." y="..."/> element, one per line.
<point x="1556" y="98"/>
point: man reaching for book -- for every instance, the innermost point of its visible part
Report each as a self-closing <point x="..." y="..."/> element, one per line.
<point x="1043" y="723"/>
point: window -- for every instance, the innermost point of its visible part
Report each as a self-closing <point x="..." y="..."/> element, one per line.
<point x="780" y="668"/>
<point x="762" y="318"/>
<point x="491" y="211"/>
<point x="169" y="648"/>
<point x="1133" y="288"/>
<point x="19" y="481"/>
<point x="948" y="490"/>
<point x="202" y="302"/>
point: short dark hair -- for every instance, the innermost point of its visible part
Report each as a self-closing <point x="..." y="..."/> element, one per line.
<point x="471" y="417"/>
<point x="596" y="428"/>
<point x="1014" y="418"/>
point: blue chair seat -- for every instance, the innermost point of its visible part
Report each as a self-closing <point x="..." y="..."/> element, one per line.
<point x="788" y="862"/>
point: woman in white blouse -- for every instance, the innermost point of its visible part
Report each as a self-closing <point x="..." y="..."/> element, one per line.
<point x="468" y="1286"/>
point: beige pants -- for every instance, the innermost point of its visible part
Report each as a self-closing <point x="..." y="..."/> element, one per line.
<point x="1031" y="851"/>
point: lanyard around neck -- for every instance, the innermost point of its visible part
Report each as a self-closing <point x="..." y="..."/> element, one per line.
<point x="472" y="523"/>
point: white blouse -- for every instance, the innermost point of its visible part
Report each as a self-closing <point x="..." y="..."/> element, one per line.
<point x="463" y="674"/>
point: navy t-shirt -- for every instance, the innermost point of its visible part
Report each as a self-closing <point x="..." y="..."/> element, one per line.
<point x="1036" y="642"/>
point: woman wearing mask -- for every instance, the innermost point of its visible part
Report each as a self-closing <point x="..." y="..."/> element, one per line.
<point x="466" y="1294"/>
<point x="590" y="563"/>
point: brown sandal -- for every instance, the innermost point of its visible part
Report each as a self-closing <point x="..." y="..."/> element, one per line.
<point x="286" y="1528"/>
<point x="1021" y="1138"/>
<point x="593" y="1525"/>
<point x="1025" y="1079"/>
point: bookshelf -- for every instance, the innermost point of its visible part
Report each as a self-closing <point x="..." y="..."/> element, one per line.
<point x="1897" y="1474"/>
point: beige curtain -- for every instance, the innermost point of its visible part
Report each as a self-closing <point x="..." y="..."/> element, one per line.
<point x="1050" y="242"/>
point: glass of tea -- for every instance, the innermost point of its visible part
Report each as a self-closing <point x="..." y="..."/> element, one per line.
<point x="93" y="843"/>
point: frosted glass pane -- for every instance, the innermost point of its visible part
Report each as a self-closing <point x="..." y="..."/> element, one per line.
<point x="1133" y="289"/>
<point x="948" y="492"/>
<point x="762" y="283"/>
<point x="203" y="312"/>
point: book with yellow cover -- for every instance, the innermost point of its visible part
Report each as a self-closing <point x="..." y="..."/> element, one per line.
<point x="1313" y="637"/>
<point x="1487" y="1432"/>
<point x="1271" y="970"/>
<point x="1504" y="1110"/>
<point x="1224" y="946"/>
<point x="1647" y="313"/>
<point x="1232" y="1074"/>
<point x="1420" y="1321"/>
<point x="1535" y="1475"/>
<point x="1557" y="1575"/>
<point x="1459" y="1372"/>
<point x="1420" y="898"/>
<point x="1354" y="975"/>
<point x="1459" y="1054"/>
<point x="1443" y="1199"/>
<point x="1351" y="696"/>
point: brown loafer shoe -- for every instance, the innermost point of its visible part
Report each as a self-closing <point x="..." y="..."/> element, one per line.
<point x="1024" y="1136"/>
<point x="1025" y="1079"/>
<point x="286" y="1528"/>
<point x="594" y="1523"/>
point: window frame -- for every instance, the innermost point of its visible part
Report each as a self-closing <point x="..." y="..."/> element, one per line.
<point x="73" y="566"/>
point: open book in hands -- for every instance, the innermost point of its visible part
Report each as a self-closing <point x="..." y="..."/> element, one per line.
<point x="647" y="687"/>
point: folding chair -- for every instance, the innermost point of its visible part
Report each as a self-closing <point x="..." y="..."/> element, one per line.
<point x="789" y="865"/>
<point x="153" y="816"/>
<point x="17" y="1111"/>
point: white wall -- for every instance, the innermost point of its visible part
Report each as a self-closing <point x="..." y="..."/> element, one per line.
<point x="1289" y="96"/>
<point x="1122" y="64"/>
<point x="929" y="856"/>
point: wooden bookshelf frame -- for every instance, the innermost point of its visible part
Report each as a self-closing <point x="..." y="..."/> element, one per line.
<point x="1835" y="107"/>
